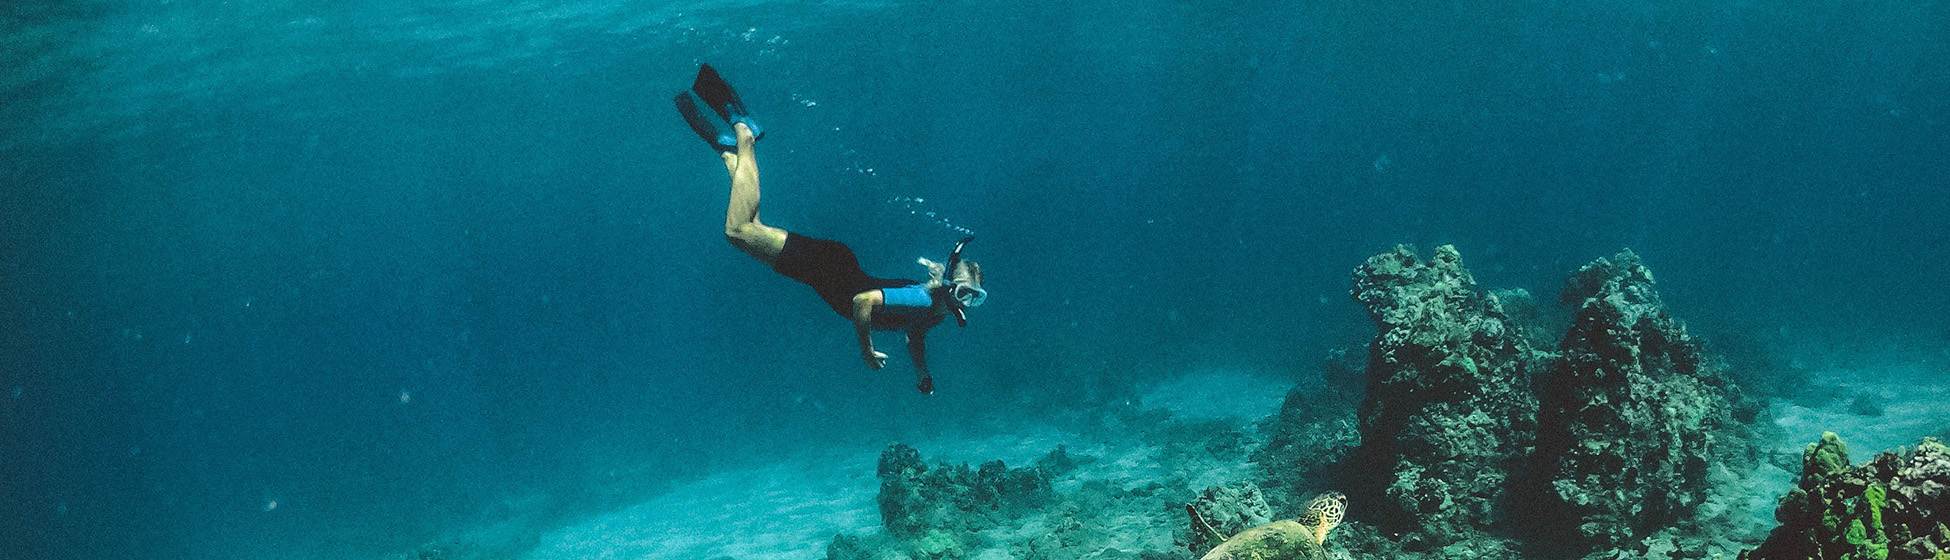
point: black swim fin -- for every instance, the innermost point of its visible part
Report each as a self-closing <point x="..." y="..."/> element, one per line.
<point x="715" y="126"/>
<point x="718" y="95"/>
<point x="715" y="131"/>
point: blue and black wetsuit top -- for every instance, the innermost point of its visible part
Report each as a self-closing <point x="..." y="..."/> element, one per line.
<point x="905" y="306"/>
<point x="832" y="270"/>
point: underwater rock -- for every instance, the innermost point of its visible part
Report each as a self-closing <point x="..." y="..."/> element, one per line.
<point x="916" y="501"/>
<point x="1059" y="462"/>
<point x="1230" y="509"/>
<point x="1866" y="404"/>
<point x="1894" y="507"/>
<point x="1630" y="415"/>
<point x="1449" y="413"/>
<point x="949" y="512"/>
<point x="848" y="547"/>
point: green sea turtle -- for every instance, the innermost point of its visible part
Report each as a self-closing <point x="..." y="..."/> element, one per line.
<point x="1286" y="539"/>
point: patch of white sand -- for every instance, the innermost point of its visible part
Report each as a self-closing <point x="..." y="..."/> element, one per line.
<point x="784" y="510"/>
<point x="1915" y="401"/>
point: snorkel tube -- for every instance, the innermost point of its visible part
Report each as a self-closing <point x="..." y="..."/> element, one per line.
<point x="955" y="305"/>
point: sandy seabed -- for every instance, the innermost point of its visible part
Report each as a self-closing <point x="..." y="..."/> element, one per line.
<point x="792" y="508"/>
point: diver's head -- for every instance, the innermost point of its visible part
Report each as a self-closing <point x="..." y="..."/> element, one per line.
<point x="966" y="280"/>
<point x="963" y="284"/>
<point x="958" y="284"/>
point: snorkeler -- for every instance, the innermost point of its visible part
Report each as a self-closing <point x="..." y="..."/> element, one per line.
<point x="830" y="267"/>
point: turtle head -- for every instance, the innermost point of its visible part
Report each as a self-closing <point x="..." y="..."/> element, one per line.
<point x="1323" y="513"/>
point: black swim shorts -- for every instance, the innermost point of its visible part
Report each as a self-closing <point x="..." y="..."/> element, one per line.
<point x="830" y="268"/>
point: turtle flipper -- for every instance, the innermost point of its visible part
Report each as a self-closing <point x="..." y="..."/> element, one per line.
<point x="1201" y="527"/>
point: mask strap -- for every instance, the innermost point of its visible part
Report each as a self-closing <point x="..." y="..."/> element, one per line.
<point x="954" y="260"/>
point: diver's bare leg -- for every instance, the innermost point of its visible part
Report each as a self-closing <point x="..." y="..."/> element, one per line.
<point x="741" y="226"/>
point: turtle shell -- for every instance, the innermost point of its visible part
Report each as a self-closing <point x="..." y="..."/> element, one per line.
<point x="1296" y="539"/>
<point x="1280" y="540"/>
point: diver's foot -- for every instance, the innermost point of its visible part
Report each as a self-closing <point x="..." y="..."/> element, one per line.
<point x="927" y="385"/>
<point x="744" y="133"/>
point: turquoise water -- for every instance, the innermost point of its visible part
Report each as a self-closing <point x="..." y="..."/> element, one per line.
<point x="334" y="280"/>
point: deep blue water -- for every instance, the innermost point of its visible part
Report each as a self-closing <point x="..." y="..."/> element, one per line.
<point x="395" y="268"/>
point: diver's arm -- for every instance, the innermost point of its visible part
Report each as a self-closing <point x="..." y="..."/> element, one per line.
<point x="917" y="349"/>
<point x="863" y="304"/>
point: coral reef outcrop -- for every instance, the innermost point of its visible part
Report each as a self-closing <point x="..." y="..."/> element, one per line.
<point x="1449" y="411"/>
<point x="848" y="547"/>
<point x="1894" y="507"/>
<point x="1631" y="415"/>
<point x="949" y="512"/>
<point x="1468" y="431"/>
<point x="917" y="501"/>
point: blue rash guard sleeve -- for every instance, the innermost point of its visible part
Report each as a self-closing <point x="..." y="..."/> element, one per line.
<point x="908" y="301"/>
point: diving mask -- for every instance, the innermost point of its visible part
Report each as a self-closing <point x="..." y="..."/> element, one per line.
<point x="965" y="295"/>
<point x="970" y="296"/>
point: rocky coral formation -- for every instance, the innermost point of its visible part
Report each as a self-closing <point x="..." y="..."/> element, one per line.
<point x="1059" y="462"/>
<point x="1631" y="414"/>
<point x="917" y="502"/>
<point x="1895" y="507"/>
<point x="951" y="512"/>
<point x="849" y="547"/>
<point x="1467" y="428"/>
<point x="1449" y="412"/>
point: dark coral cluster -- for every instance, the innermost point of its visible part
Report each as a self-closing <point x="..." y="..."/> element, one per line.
<point x="916" y="501"/>
<point x="1449" y="411"/>
<point x="1632" y="416"/>
<point x="947" y="512"/>
<point x="1467" y="431"/>
<point x="1894" y="507"/>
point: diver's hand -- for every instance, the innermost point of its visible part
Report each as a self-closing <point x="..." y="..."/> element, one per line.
<point x="875" y="359"/>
